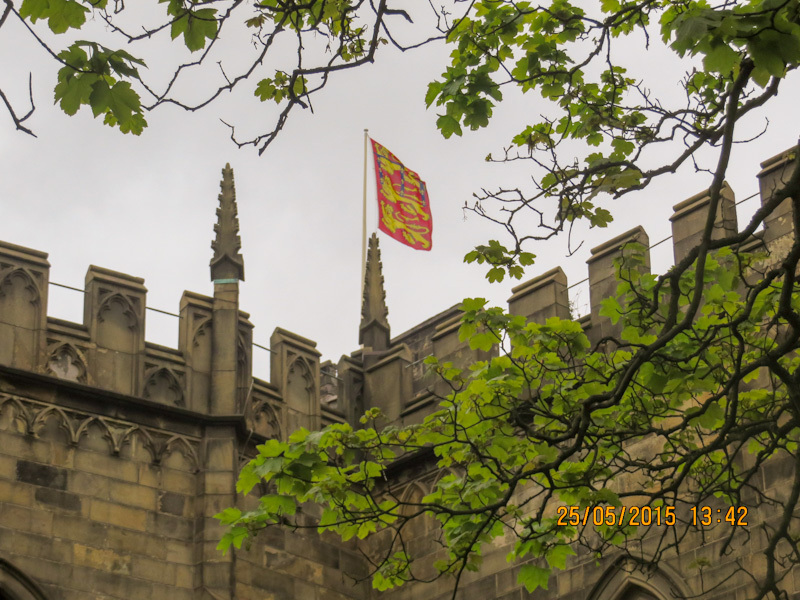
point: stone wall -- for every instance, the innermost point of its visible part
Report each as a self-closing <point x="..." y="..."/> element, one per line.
<point x="115" y="453"/>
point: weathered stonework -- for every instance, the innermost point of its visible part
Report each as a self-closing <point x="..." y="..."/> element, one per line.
<point x="116" y="453"/>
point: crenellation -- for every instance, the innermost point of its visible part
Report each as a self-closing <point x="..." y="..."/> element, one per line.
<point x="542" y="297"/>
<point x="24" y="279"/>
<point x="114" y="314"/>
<point x="690" y="216"/>
<point x="387" y="381"/>
<point x="194" y="342"/>
<point x="115" y="453"/>
<point x="602" y="276"/>
<point x="294" y="370"/>
<point x="775" y="171"/>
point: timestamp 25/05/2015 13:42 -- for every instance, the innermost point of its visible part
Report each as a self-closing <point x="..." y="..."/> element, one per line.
<point x="699" y="516"/>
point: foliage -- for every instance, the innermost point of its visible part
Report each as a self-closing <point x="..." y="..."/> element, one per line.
<point x="551" y="421"/>
<point x="695" y="394"/>
<point x="690" y="400"/>
<point x="329" y="36"/>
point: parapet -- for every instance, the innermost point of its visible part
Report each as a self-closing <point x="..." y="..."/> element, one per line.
<point x="211" y="370"/>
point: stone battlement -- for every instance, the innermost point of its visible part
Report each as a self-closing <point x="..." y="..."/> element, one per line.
<point x="115" y="453"/>
<point x="211" y="370"/>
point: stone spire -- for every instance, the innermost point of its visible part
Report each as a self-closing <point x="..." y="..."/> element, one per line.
<point x="374" y="329"/>
<point x="227" y="263"/>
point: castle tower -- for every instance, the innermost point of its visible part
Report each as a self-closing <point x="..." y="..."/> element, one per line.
<point x="374" y="330"/>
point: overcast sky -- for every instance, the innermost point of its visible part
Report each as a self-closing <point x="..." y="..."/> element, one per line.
<point x="87" y="194"/>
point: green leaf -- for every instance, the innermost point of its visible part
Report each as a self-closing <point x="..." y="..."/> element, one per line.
<point x="123" y="102"/>
<point x="721" y="59"/>
<point x="66" y="14"/>
<point x="229" y="515"/>
<point x="73" y="92"/>
<point x="279" y="504"/>
<point x="200" y="25"/>
<point x="557" y="556"/>
<point x="533" y="577"/>
<point x="61" y="15"/>
<point x="448" y="126"/>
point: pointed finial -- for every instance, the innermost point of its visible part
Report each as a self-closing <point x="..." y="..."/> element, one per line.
<point x="374" y="329"/>
<point x="227" y="263"/>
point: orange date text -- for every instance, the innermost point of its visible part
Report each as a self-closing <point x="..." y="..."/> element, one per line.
<point x="616" y="515"/>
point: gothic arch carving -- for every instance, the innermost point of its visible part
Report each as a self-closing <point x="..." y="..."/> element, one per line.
<point x="201" y="330"/>
<point x="300" y="382"/>
<point x="419" y="525"/>
<point x="15" y="415"/>
<point x="413" y="493"/>
<point x="65" y="361"/>
<point x="127" y="308"/>
<point x="19" y="297"/>
<point x="162" y="385"/>
<point x="102" y="434"/>
<point x="52" y="423"/>
<point x="264" y="419"/>
<point x="200" y="352"/>
<point x="27" y="279"/>
<point x="118" y="328"/>
<point x="626" y="580"/>
<point x="15" y="585"/>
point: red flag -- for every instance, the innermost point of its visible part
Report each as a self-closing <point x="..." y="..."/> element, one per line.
<point x="405" y="213"/>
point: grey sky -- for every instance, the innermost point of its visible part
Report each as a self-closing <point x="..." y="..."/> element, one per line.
<point x="87" y="194"/>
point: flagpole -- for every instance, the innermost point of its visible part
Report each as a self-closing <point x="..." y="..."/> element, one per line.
<point x="364" y="221"/>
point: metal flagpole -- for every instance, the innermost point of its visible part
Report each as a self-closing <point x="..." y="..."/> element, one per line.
<point x="364" y="221"/>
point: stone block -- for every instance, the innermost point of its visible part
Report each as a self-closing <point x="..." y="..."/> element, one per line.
<point x="25" y="447"/>
<point x="103" y="464"/>
<point x="44" y="475"/>
<point x="217" y="575"/>
<point x="178" y="552"/>
<point x="171" y="503"/>
<point x="132" y="495"/>
<point x="29" y="544"/>
<point x="27" y="519"/>
<point x="58" y="499"/>
<point x="104" y="559"/>
<point x="46" y="571"/>
<point x="81" y="482"/>
<point x="169" y="526"/>
<point x="79" y="529"/>
<point x="153" y="570"/>
<point x="8" y="466"/>
<point x="220" y="453"/>
<point x="185" y="576"/>
<point x="312" y="549"/>
<point x="221" y="482"/>
<point x="171" y="480"/>
<point x="12" y="492"/>
<point x="136" y="542"/>
<point x="507" y="580"/>
<point x="116" y="514"/>
<point x="280" y="587"/>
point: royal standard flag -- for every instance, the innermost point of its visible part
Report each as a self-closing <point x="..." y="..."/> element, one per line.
<point x="403" y="207"/>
